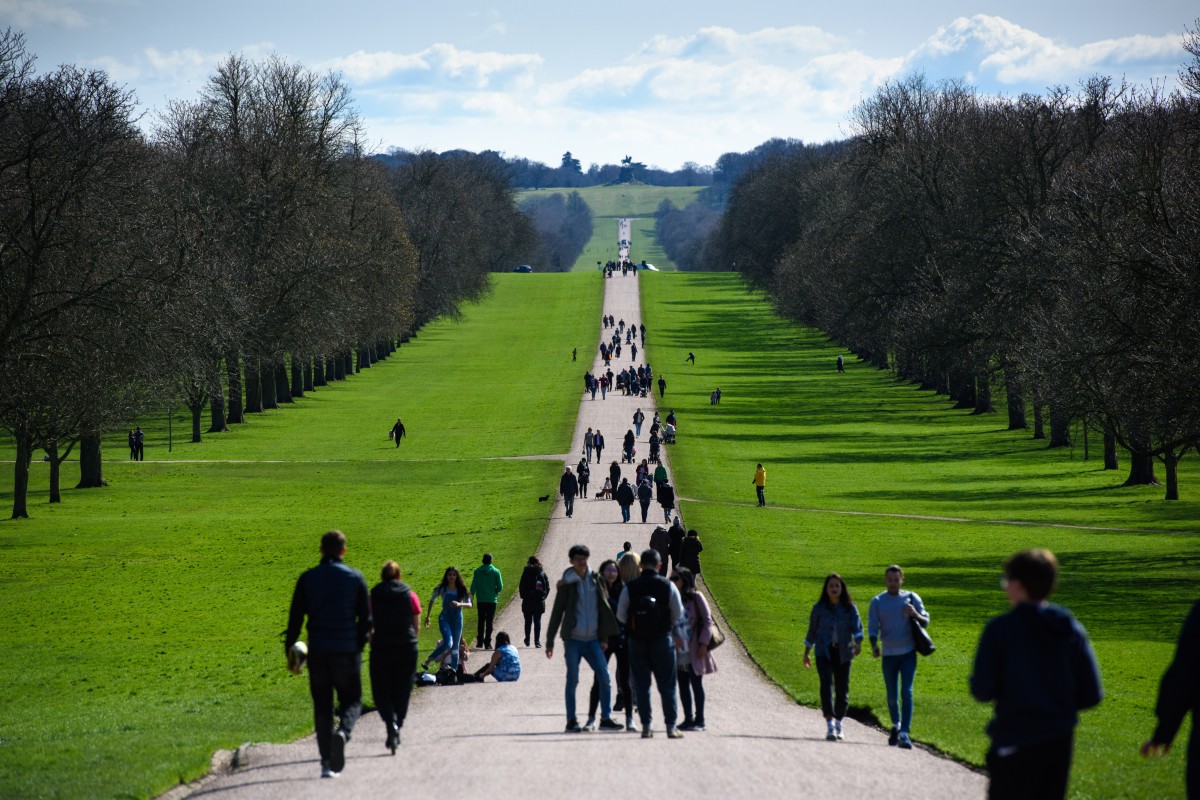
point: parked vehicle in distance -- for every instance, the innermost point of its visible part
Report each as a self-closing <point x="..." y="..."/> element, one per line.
<point x="523" y="268"/>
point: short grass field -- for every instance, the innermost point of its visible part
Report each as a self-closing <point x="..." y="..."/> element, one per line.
<point x="860" y="442"/>
<point x="610" y="203"/>
<point x="145" y="619"/>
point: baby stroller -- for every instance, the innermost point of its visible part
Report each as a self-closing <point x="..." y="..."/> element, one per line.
<point x="669" y="433"/>
<point x="629" y="456"/>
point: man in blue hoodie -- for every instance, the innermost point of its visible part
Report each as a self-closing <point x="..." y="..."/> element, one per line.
<point x="1036" y="664"/>
<point x="334" y="598"/>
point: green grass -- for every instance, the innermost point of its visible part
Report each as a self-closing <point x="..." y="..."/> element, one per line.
<point x="145" y="618"/>
<point x="862" y="442"/>
<point x="610" y="203"/>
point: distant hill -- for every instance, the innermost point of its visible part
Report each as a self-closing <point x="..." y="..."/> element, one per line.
<point x="610" y="203"/>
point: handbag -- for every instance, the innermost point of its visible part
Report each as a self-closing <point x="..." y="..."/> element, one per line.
<point x="718" y="638"/>
<point x="921" y="639"/>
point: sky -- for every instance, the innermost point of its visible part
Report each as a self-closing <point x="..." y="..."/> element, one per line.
<point x="666" y="82"/>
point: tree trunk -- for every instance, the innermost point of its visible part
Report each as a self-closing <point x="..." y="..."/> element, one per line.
<point x="1171" y="462"/>
<point x="1016" y="398"/>
<point x="216" y="405"/>
<point x="347" y="364"/>
<point x="318" y="372"/>
<point x="1060" y="428"/>
<point x="962" y="388"/>
<point x="21" y="471"/>
<point x="267" y="385"/>
<point x="233" y="372"/>
<point x="983" y="393"/>
<point x="283" y="389"/>
<point x="56" y="461"/>
<point x="303" y="367"/>
<point x="1141" y="463"/>
<point x="336" y="369"/>
<point x="91" y="463"/>
<point x="1110" y="451"/>
<point x="1039" y="424"/>
<point x="364" y="358"/>
<point x="942" y="382"/>
<point x="254" y="397"/>
<point x="197" y="410"/>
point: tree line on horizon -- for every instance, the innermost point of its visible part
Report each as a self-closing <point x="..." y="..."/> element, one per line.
<point x="1043" y="246"/>
<point x="242" y="252"/>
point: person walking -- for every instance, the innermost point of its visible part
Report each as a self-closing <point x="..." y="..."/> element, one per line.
<point x="397" y="432"/>
<point x="574" y="351"/>
<point x="638" y="419"/>
<point x="835" y="631"/>
<point x="662" y="387"/>
<point x="689" y="551"/>
<point x="660" y="475"/>
<point x="633" y="351"/>
<point x="1177" y="694"/>
<point x="455" y="597"/>
<point x="841" y="363"/>
<point x="613" y="586"/>
<point x="625" y="498"/>
<point x="582" y="475"/>
<point x="650" y="607"/>
<point x="598" y="444"/>
<point x="334" y="598"/>
<point x="533" y="590"/>
<point x="132" y="446"/>
<point x="760" y="485"/>
<point x="139" y="443"/>
<point x="486" y="585"/>
<point x="568" y="487"/>
<point x="660" y="541"/>
<point x="645" y="494"/>
<point x="1036" y="664"/>
<point x="628" y="445"/>
<point x="888" y="619"/>
<point x="677" y="534"/>
<point x="666" y="499"/>
<point x="396" y="612"/>
<point x="614" y="475"/>
<point x="588" y="440"/>
<point x="581" y="609"/>
<point x="692" y="358"/>
<point x="692" y="659"/>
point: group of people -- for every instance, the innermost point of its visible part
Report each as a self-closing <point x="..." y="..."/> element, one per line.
<point x="658" y="629"/>
<point x="137" y="444"/>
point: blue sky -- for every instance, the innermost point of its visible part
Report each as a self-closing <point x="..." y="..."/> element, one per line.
<point x="665" y="82"/>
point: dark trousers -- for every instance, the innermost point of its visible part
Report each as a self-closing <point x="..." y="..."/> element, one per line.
<point x="645" y="504"/>
<point x="1034" y="772"/>
<point x="569" y="503"/>
<point x="762" y="496"/>
<point x="623" y="694"/>
<point x="834" y="677"/>
<point x="487" y="616"/>
<point x="653" y="657"/>
<point x="599" y="450"/>
<point x="392" y="670"/>
<point x="533" y="619"/>
<point x="329" y="673"/>
<point x="691" y="684"/>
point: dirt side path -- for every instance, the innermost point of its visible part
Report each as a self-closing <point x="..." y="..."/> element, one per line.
<point x="507" y="740"/>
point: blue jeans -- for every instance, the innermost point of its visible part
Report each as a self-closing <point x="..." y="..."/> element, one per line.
<point x="637" y="428"/>
<point x="655" y="656"/>
<point x="451" y="628"/>
<point x="624" y="513"/>
<point x="589" y="651"/>
<point x="903" y="668"/>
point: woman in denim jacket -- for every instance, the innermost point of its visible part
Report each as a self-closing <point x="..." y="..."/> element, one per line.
<point x="835" y="630"/>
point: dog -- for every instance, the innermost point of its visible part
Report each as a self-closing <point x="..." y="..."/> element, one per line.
<point x="543" y="498"/>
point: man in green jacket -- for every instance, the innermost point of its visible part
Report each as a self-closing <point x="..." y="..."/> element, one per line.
<point x="486" y="585"/>
<point x="581" y="608"/>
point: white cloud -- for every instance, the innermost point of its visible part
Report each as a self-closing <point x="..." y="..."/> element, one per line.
<point x="764" y="43"/>
<point x="37" y="13"/>
<point x="438" y="62"/>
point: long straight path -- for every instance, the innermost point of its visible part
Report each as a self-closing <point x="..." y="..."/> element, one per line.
<point x="507" y="740"/>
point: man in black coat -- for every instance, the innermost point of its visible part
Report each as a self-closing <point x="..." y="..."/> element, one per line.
<point x="677" y="533"/>
<point x="568" y="487"/>
<point x="1179" y="693"/>
<point x="645" y="493"/>
<point x="625" y="498"/>
<point x="334" y="598"/>
<point x="398" y="431"/>
<point x="666" y="499"/>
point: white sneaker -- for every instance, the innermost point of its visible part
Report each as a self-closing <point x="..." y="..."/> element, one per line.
<point x="326" y="772"/>
<point x="590" y="726"/>
<point x="837" y="730"/>
<point x="830" y="734"/>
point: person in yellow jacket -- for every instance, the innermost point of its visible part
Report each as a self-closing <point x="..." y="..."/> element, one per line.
<point x="760" y="485"/>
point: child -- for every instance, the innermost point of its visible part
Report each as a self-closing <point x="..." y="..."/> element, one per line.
<point x="606" y="492"/>
<point x="505" y="665"/>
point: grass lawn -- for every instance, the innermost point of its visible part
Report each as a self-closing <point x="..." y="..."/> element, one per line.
<point x="862" y="442"/>
<point x="610" y="203"/>
<point x="146" y="618"/>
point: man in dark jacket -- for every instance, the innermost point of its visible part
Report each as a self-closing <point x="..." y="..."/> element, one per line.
<point x="598" y="445"/>
<point x="676" y="532"/>
<point x="660" y="542"/>
<point x="662" y="387"/>
<point x="334" y="598"/>
<point x="1179" y="693"/>
<point x="568" y="487"/>
<point x="625" y="498"/>
<point x="649" y="608"/>
<point x="666" y="499"/>
<point x="397" y="431"/>
<point x="581" y="609"/>
<point x="1036" y="663"/>
<point x="645" y="493"/>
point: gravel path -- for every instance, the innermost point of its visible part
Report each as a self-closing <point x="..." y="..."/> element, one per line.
<point x="507" y="740"/>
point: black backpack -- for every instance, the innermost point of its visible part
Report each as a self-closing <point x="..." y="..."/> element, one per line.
<point x="650" y="607"/>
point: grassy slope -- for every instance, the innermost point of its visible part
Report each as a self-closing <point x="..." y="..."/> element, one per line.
<point x="147" y="615"/>
<point x="860" y="441"/>
<point x="609" y="203"/>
